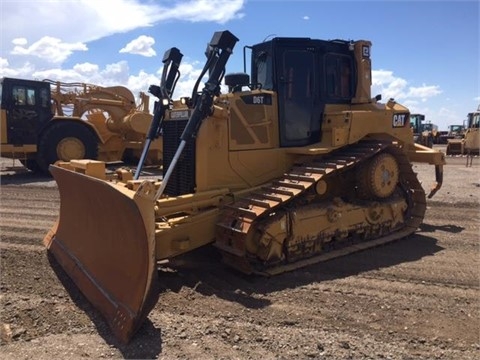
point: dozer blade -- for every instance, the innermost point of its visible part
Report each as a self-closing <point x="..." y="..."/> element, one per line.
<point x="104" y="240"/>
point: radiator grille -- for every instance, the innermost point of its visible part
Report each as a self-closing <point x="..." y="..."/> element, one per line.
<point x="182" y="180"/>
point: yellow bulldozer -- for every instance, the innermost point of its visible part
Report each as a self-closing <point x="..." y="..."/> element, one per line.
<point x="45" y="121"/>
<point x="294" y="164"/>
<point x="469" y="143"/>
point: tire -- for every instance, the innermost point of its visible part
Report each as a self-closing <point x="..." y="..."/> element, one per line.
<point x="66" y="140"/>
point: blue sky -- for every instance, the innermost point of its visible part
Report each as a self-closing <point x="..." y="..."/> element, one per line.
<point x="425" y="54"/>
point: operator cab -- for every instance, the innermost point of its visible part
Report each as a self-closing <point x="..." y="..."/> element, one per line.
<point x="416" y="122"/>
<point x="25" y="108"/>
<point x="474" y="120"/>
<point x="306" y="74"/>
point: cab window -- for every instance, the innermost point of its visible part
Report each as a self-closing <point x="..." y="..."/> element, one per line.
<point x="19" y="95"/>
<point x="476" y="121"/>
<point x="23" y="95"/>
<point x="263" y="64"/>
<point x="44" y="98"/>
<point x="339" y="80"/>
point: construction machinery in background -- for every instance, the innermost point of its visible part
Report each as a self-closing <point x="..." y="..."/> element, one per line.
<point x="472" y="133"/>
<point x="453" y="132"/>
<point x="45" y="121"/>
<point x="416" y="124"/>
<point x="469" y="143"/>
<point x="424" y="133"/>
<point x="295" y="164"/>
<point x="430" y="134"/>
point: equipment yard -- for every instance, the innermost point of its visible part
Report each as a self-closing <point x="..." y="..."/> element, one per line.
<point x="415" y="298"/>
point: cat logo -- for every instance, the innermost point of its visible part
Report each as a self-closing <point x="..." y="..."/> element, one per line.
<point x="399" y="120"/>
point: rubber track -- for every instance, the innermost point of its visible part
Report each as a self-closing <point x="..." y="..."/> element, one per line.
<point x="241" y="217"/>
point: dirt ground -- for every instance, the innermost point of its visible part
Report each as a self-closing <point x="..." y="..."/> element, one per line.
<point x="417" y="298"/>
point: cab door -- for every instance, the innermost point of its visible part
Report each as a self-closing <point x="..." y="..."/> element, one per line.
<point x="26" y="108"/>
<point x="298" y="96"/>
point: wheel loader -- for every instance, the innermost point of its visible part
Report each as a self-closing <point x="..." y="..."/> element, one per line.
<point x="291" y="165"/>
<point x="453" y="132"/>
<point x="424" y="133"/>
<point x="45" y="121"/>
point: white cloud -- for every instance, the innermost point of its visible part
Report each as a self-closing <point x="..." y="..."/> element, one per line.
<point x="380" y="77"/>
<point x="88" y="20"/>
<point x="142" y="81"/>
<point x="140" y="46"/>
<point x="23" y="71"/>
<point x="384" y="82"/>
<point x="424" y="92"/>
<point x="47" y="48"/>
<point x="20" y="41"/>
<point x="86" y="69"/>
<point x="59" y="28"/>
<point x="3" y="63"/>
<point x="112" y="74"/>
<point x="306" y="18"/>
<point x="418" y="99"/>
<point x="189" y="75"/>
<point x="220" y="11"/>
<point x="118" y="71"/>
<point x="73" y="21"/>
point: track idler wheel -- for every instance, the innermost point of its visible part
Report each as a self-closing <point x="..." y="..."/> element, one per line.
<point x="378" y="178"/>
